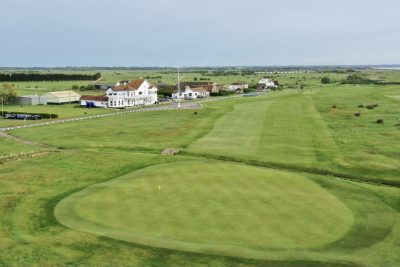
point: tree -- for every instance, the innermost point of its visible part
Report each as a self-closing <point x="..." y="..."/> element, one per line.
<point x="8" y="95"/>
<point x="195" y="79"/>
<point x="8" y="86"/>
<point x="325" y="80"/>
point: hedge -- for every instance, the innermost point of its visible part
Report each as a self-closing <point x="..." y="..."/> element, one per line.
<point x="222" y="93"/>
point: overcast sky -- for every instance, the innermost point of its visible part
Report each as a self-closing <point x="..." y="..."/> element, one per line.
<point x="198" y="32"/>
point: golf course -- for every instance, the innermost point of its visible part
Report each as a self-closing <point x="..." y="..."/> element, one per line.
<point x="287" y="178"/>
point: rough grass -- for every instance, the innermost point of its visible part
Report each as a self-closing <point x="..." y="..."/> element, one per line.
<point x="9" y="147"/>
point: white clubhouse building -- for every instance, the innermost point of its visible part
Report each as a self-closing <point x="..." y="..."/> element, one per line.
<point x="128" y="94"/>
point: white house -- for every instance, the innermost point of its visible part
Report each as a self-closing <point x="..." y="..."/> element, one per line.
<point x="191" y="93"/>
<point x="238" y="86"/>
<point x="133" y="93"/>
<point x="266" y="83"/>
<point x="97" y="101"/>
<point x="201" y="92"/>
<point x="127" y="94"/>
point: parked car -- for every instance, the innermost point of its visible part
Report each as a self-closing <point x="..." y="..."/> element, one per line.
<point x="36" y="117"/>
<point x="10" y="116"/>
<point x="22" y="117"/>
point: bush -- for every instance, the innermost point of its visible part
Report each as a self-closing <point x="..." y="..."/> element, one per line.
<point x="361" y="106"/>
<point x="325" y="80"/>
<point x="249" y="90"/>
<point x="222" y="93"/>
<point x="334" y="106"/>
<point x="357" y="114"/>
<point x="75" y="87"/>
<point x="380" y="121"/>
<point x="358" y="78"/>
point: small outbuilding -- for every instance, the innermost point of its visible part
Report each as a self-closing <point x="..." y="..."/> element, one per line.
<point x="30" y="100"/>
<point x="61" y="97"/>
<point x="92" y="101"/>
<point x="238" y="87"/>
<point x="191" y="93"/>
<point x="103" y="86"/>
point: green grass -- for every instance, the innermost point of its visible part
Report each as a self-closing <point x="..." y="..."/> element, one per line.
<point x="210" y="212"/>
<point x="27" y="203"/>
<point x="281" y="130"/>
<point x="206" y="205"/>
<point x="152" y="130"/>
<point x="303" y="130"/>
<point x="11" y="148"/>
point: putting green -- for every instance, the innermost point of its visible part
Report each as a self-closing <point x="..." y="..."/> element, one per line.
<point x="209" y="206"/>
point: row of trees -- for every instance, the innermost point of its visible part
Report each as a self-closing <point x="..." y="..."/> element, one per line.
<point x="31" y="77"/>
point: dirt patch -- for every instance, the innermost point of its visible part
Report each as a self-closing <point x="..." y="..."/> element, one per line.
<point x="171" y="151"/>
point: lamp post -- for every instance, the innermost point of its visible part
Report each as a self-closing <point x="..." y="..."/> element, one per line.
<point x="179" y="88"/>
<point x="2" y="106"/>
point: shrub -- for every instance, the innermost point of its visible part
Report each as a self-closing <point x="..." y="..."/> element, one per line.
<point x="334" y="106"/>
<point x="380" y="121"/>
<point x="222" y="93"/>
<point x="195" y="113"/>
<point x="248" y="90"/>
<point x="361" y="106"/>
<point x="325" y="80"/>
<point x="370" y="106"/>
<point x="358" y="78"/>
<point x="357" y="114"/>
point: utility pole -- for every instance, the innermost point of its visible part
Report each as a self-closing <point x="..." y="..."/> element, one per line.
<point x="179" y="88"/>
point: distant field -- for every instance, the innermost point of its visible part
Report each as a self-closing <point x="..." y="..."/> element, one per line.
<point x="170" y="77"/>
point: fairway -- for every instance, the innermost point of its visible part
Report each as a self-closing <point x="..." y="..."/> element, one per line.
<point x="208" y="205"/>
<point x="286" y="130"/>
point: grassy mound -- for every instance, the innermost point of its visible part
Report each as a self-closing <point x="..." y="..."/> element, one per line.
<point x="210" y="206"/>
